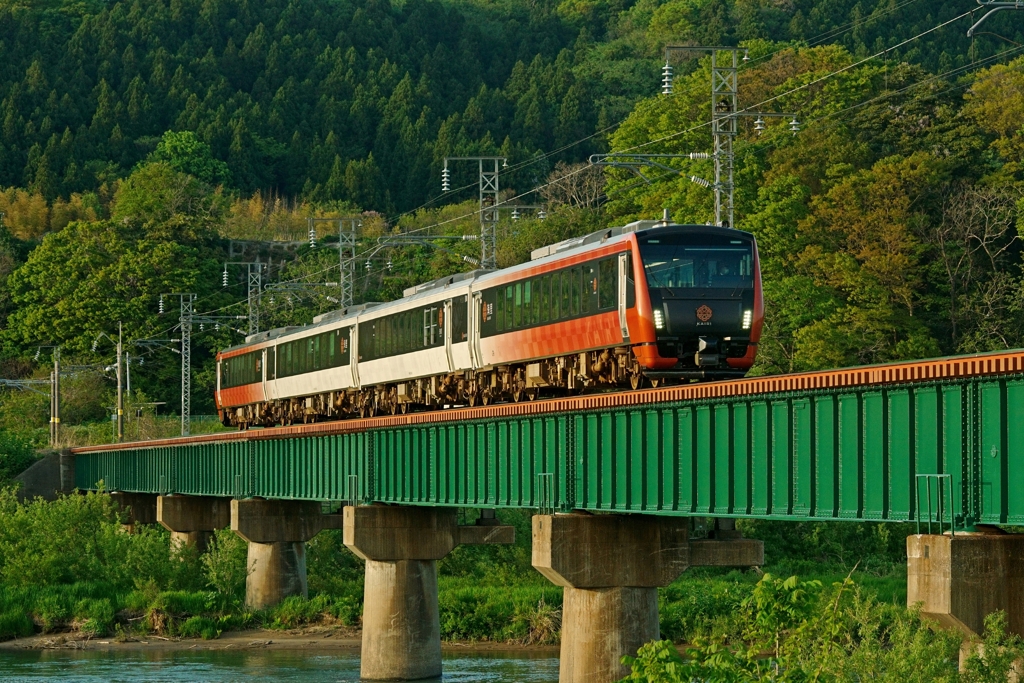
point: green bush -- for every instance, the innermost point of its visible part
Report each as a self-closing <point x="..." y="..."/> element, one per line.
<point x="95" y="616"/>
<point x="16" y="456"/>
<point x="15" y="623"/>
<point x="225" y="565"/>
<point x="199" y="627"/>
<point x="792" y="630"/>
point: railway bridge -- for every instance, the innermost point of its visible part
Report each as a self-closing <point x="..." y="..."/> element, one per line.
<point x="614" y="479"/>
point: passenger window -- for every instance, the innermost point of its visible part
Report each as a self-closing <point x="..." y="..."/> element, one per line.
<point x="517" y="308"/>
<point x="606" y="284"/>
<point x="542" y="300"/>
<point x="577" y="277"/>
<point x="508" y="308"/>
<point x="499" y="313"/>
<point x="589" y="286"/>
<point x="563" y="311"/>
<point x="527" y="303"/>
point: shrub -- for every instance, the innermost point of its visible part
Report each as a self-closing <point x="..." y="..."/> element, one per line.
<point x="15" y="623"/>
<point x="94" y="616"/>
<point x="225" y="564"/>
<point x="199" y="627"/>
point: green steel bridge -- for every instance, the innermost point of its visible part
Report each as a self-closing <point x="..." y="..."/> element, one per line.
<point x="939" y="440"/>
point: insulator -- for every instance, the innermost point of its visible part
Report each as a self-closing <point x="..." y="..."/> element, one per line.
<point x="224" y="277"/>
<point x="312" y="238"/>
<point x="201" y="327"/>
<point x="759" y="125"/>
<point x="161" y="305"/>
<point x="700" y="181"/>
<point x="38" y="351"/>
<point x="542" y="214"/>
<point x="746" y="56"/>
<point x="794" y="126"/>
<point x="666" y="79"/>
<point x="141" y="361"/>
<point x="515" y="214"/>
<point x="369" y="266"/>
<point x="446" y="180"/>
<point x="216" y="327"/>
<point x="271" y="301"/>
<point x="95" y="343"/>
<point x="389" y="264"/>
<point x="699" y="155"/>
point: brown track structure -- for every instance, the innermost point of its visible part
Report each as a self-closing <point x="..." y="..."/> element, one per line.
<point x="932" y="370"/>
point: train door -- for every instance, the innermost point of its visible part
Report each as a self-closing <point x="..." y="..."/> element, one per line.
<point x="475" y="312"/>
<point x="448" y="334"/>
<point x="353" y="356"/>
<point x="623" y="293"/>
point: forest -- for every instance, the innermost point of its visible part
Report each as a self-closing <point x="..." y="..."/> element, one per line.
<point x="140" y="140"/>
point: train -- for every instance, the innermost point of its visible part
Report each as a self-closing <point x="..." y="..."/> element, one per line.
<point x="638" y="305"/>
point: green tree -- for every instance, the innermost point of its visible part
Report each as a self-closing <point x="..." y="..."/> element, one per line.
<point x="185" y="153"/>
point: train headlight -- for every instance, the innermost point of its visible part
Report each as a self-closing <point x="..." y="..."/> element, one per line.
<point x="659" y="319"/>
<point x="748" y="316"/>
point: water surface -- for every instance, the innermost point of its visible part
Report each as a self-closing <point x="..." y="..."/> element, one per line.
<point x="261" y="666"/>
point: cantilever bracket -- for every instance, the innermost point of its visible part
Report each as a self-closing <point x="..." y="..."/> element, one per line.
<point x="995" y="7"/>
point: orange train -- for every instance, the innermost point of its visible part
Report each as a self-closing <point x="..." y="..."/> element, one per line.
<point x="647" y="302"/>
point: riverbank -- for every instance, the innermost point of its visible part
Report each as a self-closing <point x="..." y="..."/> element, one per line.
<point x="311" y="639"/>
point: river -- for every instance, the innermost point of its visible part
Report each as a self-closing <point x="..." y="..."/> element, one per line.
<point x="140" y="666"/>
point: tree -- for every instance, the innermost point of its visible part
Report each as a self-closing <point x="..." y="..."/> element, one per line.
<point x="185" y="153"/>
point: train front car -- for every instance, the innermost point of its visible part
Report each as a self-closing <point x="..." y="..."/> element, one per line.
<point x="704" y="288"/>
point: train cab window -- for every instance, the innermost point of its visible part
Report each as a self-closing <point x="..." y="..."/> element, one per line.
<point x="697" y="261"/>
<point x="606" y="281"/>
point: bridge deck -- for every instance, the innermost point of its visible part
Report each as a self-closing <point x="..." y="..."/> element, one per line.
<point x="845" y="444"/>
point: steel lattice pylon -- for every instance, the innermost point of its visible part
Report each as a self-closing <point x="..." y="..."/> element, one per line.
<point x="488" y="189"/>
<point x="724" y="104"/>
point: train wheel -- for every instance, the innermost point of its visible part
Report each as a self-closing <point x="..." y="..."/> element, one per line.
<point x="485" y="399"/>
<point x="635" y="381"/>
<point x="471" y="399"/>
<point x="532" y="394"/>
<point x="404" y="407"/>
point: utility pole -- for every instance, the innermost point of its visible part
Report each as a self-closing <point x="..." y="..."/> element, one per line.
<point x="120" y="383"/>
<point x="186" y="320"/>
<point x="725" y="115"/>
<point x="488" y="190"/>
<point x="56" y="396"/>
<point x="185" y="323"/>
<point x="347" y="228"/>
<point x="255" y="291"/>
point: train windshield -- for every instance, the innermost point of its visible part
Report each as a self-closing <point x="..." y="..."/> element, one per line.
<point x="681" y="261"/>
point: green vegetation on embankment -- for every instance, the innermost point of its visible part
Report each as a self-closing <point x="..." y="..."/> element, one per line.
<point x="69" y="567"/>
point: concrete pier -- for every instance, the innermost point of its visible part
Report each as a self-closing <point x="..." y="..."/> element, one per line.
<point x="611" y="567"/>
<point x="401" y="546"/>
<point x="959" y="580"/>
<point x="140" y="508"/>
<point x="277" y="531"/>
<point x="192" y="519"/>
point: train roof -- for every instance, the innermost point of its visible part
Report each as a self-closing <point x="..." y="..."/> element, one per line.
<point x="552" y="252"/>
